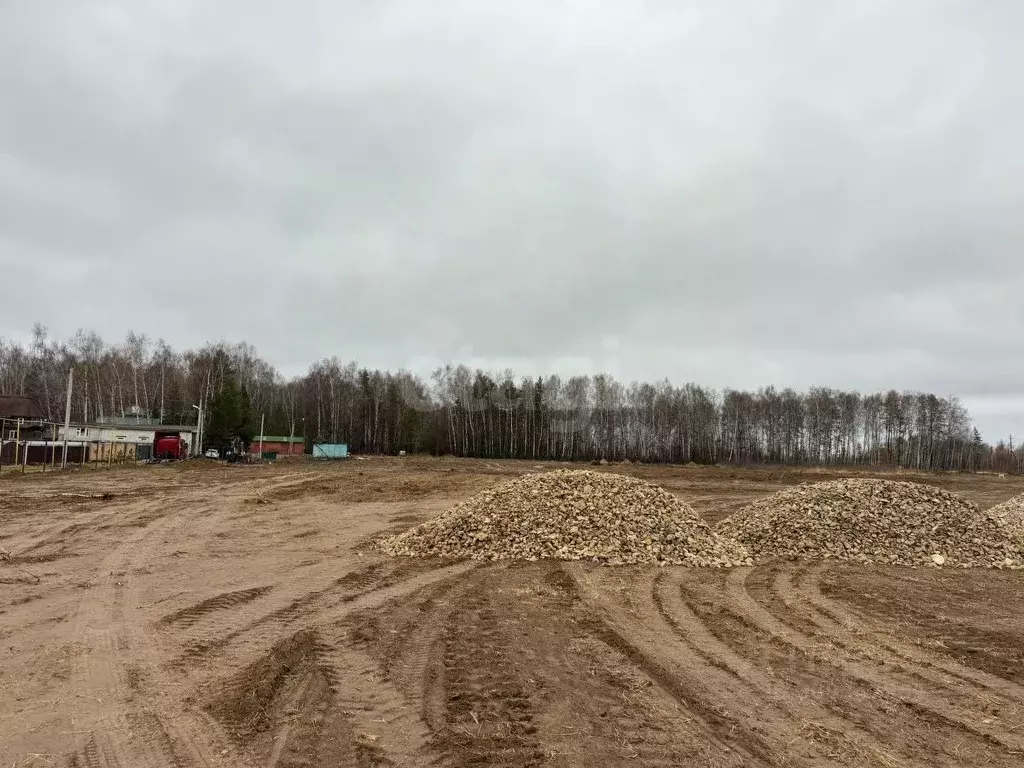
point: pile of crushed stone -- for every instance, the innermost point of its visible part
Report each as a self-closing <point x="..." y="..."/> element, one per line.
<point x="874" y="521"/>
<point x="571" y="515"/>
<point x="1010" y="515"/>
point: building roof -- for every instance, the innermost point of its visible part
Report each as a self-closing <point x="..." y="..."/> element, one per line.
<point x="137" y="427"/>
<point x="128" y="421"/>
<point x="20" y="407"/>
<point x="278" y="439"/>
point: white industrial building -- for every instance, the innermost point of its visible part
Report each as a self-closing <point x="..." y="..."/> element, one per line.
<point x="112" y="432"/>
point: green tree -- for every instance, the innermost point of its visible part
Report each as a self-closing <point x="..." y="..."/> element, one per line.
<point x="245" y="428"/>
<point x="977" y="449"/>
<point x="228" y="416"/>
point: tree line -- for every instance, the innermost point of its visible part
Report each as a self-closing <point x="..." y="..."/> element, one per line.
<point x="496" y="414"/>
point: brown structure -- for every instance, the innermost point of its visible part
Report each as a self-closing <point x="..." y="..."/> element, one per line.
<point x="282" y="446"/>
<point x="22" y="421"/>
<point x="14" y="407"/>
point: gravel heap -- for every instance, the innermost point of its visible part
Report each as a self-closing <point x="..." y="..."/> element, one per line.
<point x="571" y="515"/>
<point x="1010" y="514"/>
<point x="879" y="521"/>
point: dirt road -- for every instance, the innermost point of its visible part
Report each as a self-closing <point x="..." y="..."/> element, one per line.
<point x="237" y="616"/>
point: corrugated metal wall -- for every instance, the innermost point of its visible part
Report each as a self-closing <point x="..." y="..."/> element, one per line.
<point x="282" y="448"/>
<point x="330" y="450"/>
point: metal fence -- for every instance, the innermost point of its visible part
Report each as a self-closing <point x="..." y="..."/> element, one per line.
<point x="47" y="455"/>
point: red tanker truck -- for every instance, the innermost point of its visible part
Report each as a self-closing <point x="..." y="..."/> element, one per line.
<point x="169" y="447"/>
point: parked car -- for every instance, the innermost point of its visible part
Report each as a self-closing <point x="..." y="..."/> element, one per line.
<point x="212" y="453"/>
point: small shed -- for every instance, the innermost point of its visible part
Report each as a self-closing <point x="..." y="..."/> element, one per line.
<point x="330" y="450"/>
<point x="13" y="407"/>
<point x="281" y="445"/>
<point x="21" y="420"/>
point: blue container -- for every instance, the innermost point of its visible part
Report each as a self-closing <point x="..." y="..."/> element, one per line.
<point x="330" y="450"/>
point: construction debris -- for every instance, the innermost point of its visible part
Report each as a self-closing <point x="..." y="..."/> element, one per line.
<point x="571" y="515"/>
<point x="875" y="521"/>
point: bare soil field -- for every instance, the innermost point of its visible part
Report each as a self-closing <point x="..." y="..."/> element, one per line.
<point x="207" y="615"/>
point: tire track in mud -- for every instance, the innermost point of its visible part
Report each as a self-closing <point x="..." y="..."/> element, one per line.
<point x="150" y="727"/>
<point x="300" y="701"/>
<point x="633" y="645"/>
<point x="307" y="703"/>
<point x="451" y="653"/>
<point x="838" y="621"/>
<point x="634" y="720"/>
<point x="634" y="711"/>
<point x="328" y="702"/>
<point x="186" y="617"/>
<point x="488" y="712"/>
<point x="494" y="662"/>
<point x="896" y="735"/>
<point x="122" y="732"/>
<point x="326" y="605"/>
<point x="276" y="707"/>
<point x="892" y="681"/>
<point x="92" y="755"/>
<point x="719" y="705"/>
<point x="388" y="728"/>
<point x="199" y="488"/>
<point x="215" y="631"/>
<point x="116" y="721"/>
<point x="850" y="743"/>
<point x="96" y="672"/>
<point x="57" y="537"/>
<point x="410" y="654"/>
<point x="249" y="495"/>
<point x="795" y="596"/>
<point x="290" y="487"/>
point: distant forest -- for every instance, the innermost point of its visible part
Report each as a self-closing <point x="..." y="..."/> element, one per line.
<point x="495" y="414"/>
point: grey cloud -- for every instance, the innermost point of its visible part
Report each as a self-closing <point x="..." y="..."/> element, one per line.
<point x="791" y="193"/>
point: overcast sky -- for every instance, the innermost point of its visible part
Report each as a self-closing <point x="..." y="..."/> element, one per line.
<point x="733" y="193"/>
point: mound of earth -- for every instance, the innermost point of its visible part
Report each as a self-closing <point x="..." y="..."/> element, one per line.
<point x="880" y="521"/>
<point x="571" y="515"/>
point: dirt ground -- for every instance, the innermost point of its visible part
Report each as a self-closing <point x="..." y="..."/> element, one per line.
<point x="237" y="616"/>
